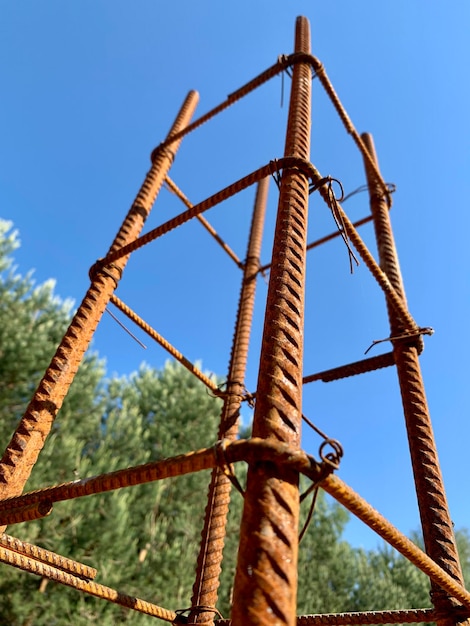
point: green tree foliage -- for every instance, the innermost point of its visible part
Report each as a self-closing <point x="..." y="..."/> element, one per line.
<point x="144" y="540"/>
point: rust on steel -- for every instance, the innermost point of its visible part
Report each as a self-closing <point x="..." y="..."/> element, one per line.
<point x="365" y="512"/>
<point x="254" y="451"/>
<point x="210" y="229"/>
<point x="212" y="541"/>
<point x="151" y="332"/>
<point x="265" y="588"/>
<point x="46" y="556"/>
<point x="29" y="437"/>
<point x="436" y="523"/>
<point x="352" y="369"/>
<point x="28" y="513"/>
<point x="91" y="587"/>
<point x="405" y="616"/>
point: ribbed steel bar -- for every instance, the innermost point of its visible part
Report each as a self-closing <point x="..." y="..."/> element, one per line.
<point x="197" y="209"/>
<point x="395" y="298"/>
<point x="352" y="369"/>
<point x="26" y="514"/>
<point x="436" y="523"/>
<point x="265" y="589"/>
<point x="32" y="566"/>
<point x="28" y="440"/>
<point x="365" y="512"/>
<point x="325" y="239"/>
<point x="256" y="451"/>
<point x="212" y="542"/>
<point x="164" y="343"/>
<point x="46" y="556"/>
<point x="210" y="229"/>
<point x="405" y="616"/>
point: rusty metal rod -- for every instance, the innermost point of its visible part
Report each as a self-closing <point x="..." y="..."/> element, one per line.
<point x="46" y="556"/>
<point x="197" y="209"/>
<point x="32" y="566"/>
<point x="265" y="588"/>
<point x="164" y="343"/>
<point x="210" y="229"/>
<point x="436" y="523"/>
<point x="26" y="514"/>
<point x="325" y="239"/>
<point x="207" y="458"/>
<point x="365" y="512"/>
<point x="256" y="450"/>
<point x="283" y="63"/>
<point x="403" y="616"/>
<point x="394" y="297"/>
<point x="212" y="542"/>
<point x="352" y="369"/>
<point x="29" y="437"/>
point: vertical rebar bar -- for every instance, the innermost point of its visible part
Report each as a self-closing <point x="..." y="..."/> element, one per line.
<point x="265" y="587"/>
<point x="29" y="437"/>
<point x="213" y="533"/>
<point x="435" y="519"/>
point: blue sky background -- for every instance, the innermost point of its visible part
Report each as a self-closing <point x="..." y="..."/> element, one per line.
<point x="90" y="88"/>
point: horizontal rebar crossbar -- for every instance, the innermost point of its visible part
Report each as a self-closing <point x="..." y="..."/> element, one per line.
<point x="403" y="616"/>
<point x="251" y="451"/>
<point x="352" y="369"/>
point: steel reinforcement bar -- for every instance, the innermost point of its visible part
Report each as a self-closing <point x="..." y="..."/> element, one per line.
<point x="213" y="533"/>
<point x="30" y="435"/>
<point x="265" y="588"/>
<point x="45" y="570"/>
<point x="436" y="523"/>
<point x="254" y="451"/>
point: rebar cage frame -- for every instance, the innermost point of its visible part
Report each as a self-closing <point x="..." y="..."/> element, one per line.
<point x="266" y="575"/>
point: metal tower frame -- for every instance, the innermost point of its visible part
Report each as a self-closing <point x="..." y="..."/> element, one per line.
<point x="266" y="576"/>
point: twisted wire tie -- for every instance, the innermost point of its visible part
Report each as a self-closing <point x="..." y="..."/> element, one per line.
<point x="163" y="149"/>
<point x="245" y="396"/>
<point x="426" y="330"/>
<point x="181" y="618"/>
<point x="330" y="462"/>
<point x="225" y="466"/>
<point x="282" y="59"/>
<point x="390" y="188"/>
<point x="100" y="267"/>
<point x="333" y="205"/>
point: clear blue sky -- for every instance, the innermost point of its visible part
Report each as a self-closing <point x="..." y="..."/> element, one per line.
<point x="89" y="88"/>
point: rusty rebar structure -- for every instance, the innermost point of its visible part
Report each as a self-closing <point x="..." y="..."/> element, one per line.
<point x="265" y="584"/>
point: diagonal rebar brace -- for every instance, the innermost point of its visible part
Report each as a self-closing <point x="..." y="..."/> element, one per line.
<point x="283" y="63"/>
<point x="210" y="229"/>
<point x="252" y="451"/>
<point x="436" y="523"/>
<point x="46" y="556"/>
<point x="302" y="166"/>
<point x="29" y="437"/>
<point x="325" y="239"/>
<point x="394" y="296"/>
<point x="45" y="570"/>
<point x="213" y="533"/>
<point x="265" y="588"/>
<point x="365" y="512"/>
<point x="151" y="332"/>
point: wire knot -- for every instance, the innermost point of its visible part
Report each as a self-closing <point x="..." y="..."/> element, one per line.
<point x="193" y="612"/>
<point x="110" y="270"/>
<point x="425" y="330"/>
